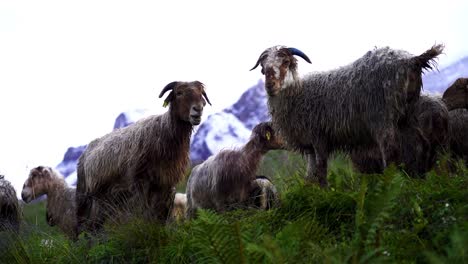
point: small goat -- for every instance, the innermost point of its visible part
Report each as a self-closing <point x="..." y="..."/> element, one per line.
<point x="352" y="107"/>
<point x="264" y="194"/>
<point x="141" y="163"/>
<point x="61" y="209"/>
<point x="227" y="180"/>
<point x="10" y="213"/>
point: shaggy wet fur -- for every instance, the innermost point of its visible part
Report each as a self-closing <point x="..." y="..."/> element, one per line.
<point x="426" y="134"/>
<point x="433" y="120"/>
<point x="356" y="106"/>
<point x="137" y="167"/>
<point x="10" y="215"/>
<point x="61" y="208"/>
<point x="225" y="181"/>
<point x="458" y="131"/>
<point x="413" y="150"/>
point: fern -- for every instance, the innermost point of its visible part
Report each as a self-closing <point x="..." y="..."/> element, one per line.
<point x="217" y="240"/>
<point x="374" y="203"/>
<point x="455" y="252"/>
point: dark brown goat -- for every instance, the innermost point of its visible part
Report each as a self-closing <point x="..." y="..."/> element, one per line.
<point x="226" y="180"/>
<point x="352" y="107"/>
<point x="456" y="96"/>
<point x="138" y="166"/>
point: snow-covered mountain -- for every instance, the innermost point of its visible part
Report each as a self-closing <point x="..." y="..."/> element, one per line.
<point x="231" y="127"/>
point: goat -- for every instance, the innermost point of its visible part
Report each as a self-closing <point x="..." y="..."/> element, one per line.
<point x="352" y="107"/>
<point x="60" y="209"/>
<point x="264" y="194"/>
<point x="10" y="212"/>
<point x="140" y="164"/>
<point x="456" y="96"/>
<point x="225" y="181"/>
<point x="426" y="134"/>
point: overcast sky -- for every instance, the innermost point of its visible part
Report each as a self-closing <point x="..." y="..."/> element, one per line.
<point x="68" y="68"/>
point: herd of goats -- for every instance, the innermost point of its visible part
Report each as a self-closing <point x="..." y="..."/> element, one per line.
<point x="371" y="109"/>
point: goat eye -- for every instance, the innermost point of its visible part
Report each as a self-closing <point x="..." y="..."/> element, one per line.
<point x="178" y="93"/>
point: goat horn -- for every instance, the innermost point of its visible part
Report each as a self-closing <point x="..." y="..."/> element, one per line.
<point x="168" y="87"/>
<point x="206" y="97"/>
<point x="259" y="59"/>
<point x="299" y="53"/>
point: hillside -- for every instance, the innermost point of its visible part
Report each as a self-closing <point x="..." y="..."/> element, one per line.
<point x="387" y="218"/>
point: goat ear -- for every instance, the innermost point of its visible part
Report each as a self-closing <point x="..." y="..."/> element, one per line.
<point x="168" y="87"/>
<point x="168" y="99"/>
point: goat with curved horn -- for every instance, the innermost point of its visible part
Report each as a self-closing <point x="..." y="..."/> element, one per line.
<point x="292" y="51"/>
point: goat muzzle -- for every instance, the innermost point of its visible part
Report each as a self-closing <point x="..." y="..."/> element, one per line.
<point x="271" y="88"/>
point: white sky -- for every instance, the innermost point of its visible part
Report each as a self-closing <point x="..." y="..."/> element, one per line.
<point x="68" y="68"/>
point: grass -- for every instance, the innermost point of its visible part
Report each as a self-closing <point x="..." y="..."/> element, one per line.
<point x="385" y="218"/>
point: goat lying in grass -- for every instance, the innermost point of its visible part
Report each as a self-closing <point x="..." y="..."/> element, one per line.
<point x="264" y="194"/>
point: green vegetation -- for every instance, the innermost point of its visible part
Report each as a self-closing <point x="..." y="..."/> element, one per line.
<point x="387" y="218"/>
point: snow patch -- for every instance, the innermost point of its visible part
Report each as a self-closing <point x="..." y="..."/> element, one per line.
<point x="225" y="131"/>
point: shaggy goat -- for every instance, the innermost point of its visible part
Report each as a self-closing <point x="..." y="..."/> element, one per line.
<point x="456" y="97"/>
<point x="140" y="164"/>
<point x="61" y="207"/>
<point x="431" y="115"/>
<point x="355" y="106"/>
<point x="9" y="209"/>
<point x="426" y="134"/>
<point x="226" y="180"/>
